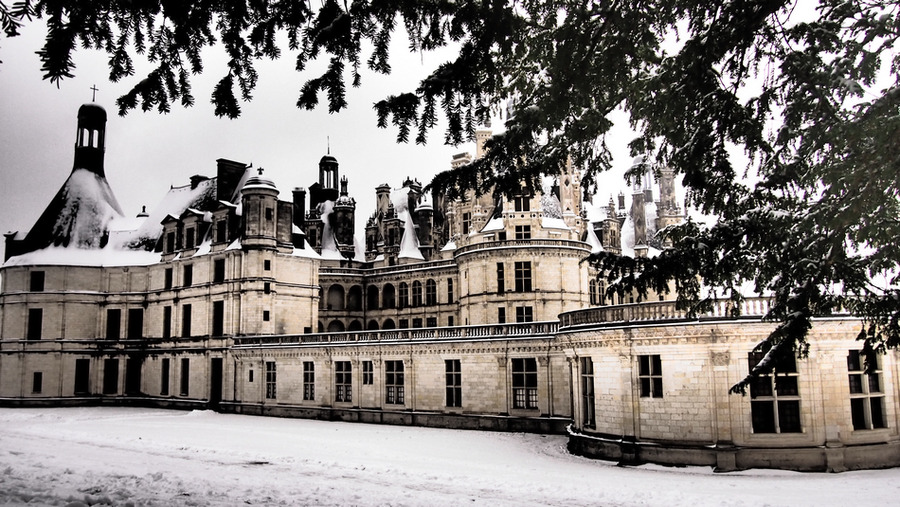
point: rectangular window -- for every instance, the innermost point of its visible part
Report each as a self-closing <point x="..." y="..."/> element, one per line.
<point x="164" y="378"/>
<point x="404" y="324"/>
<point x="82" y="376"/>
<point x="431" y="322"/>
<point x="449" y="290"/>
<point x="523" y="276"/>
<point x="37" y="382"/>
<point x="267" y="265"/>
<point x="135" y="323"/>
<point x="501" y="315"/>
<point x="650" y="376"/>
<point x="523" y="232"/>
<point x="188" y="275"/>
<point x="368" y="373"/>
<point x="36" y="283"/>
<point x="466" y="222"/>
<point x="343" y="381"/>
<point x="185" y="376"/>
<point x="170" y="242"/>
<point x="524" y="314"/>
<point x="250" y="377"/>
<point x="588" y="406"/>
<point x="866" y="392"/>
<point x="393" y="383"/>
<point x="524" y="383"/>
<point x="309" y="381"/>
<point x="189" y="238"/>
<point x="522" y="203"/>
<point x="110" y="376"/>
<point x="186" y="320"/>
<point x="270" y="214"/>
<point x="775" y="397"/>
<point x="167" y="282"/>
<point x="271" y="391"/>
<point x="453" y="374"/>
<point x="167" y="322"/>
<point x="267" y="287"/>
<point x="221" y="231"/>
<point x="35" y="323"/>
<point x="266" y="316"/>
<point x="501" y="278"/>
<point x="450" y="321"/>
<point x="416" y="322"/>
<point x="218" y="328"/>
<point x="113" y="323"/>
<point x="219" y="270"/>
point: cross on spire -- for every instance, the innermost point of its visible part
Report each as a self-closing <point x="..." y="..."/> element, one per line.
<point x="260" y="170"/>
<point x="94" y="93"/>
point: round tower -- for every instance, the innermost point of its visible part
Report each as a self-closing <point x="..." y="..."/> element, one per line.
<point x="259" y="204"/>
<point x="343" y="221"/>
<point x="90" y="139"/>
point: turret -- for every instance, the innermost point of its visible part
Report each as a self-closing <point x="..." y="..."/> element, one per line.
<point x="260" y="205"/>
<point x="90" y="139"/>
<point x="343" y="223"/>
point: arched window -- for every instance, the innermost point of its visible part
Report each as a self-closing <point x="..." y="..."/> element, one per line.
<point x="388" y="324"/>
<point x="372" y="325"/>
<point x="355" y="325"/>
<point x="388" y="295"/>
<point x="335" y="326"/>
<point x="417" y="293"/>
<point x="403" y="297"/>
<point x="354" y="298"/>
<point x="372" y="297"/>
<point x="335" y="299"/>
<point x="430" y="293"/>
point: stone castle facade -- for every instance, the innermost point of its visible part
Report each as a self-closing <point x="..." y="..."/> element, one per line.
<point x="478" y="313"/>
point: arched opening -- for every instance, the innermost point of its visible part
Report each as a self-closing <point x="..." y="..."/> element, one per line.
<point x="355" y="325"/>
<point x="335" y="326"/>
<point x="403" y="297"/>
<point x="372" y="297"/>
<point x="354" y="298"/>
<point x="372" y="325"/>
<point x="417" y="294"/>
<point x="335" y="298"/>
<point x="388" y="324"/>
<point x="430" y="293"/>
<point x="388" y="296"/>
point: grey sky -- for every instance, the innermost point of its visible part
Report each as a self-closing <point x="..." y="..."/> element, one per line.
<point x="148" y="152"/>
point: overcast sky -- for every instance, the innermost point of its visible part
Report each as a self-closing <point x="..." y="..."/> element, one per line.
<point x="146" y="153"/>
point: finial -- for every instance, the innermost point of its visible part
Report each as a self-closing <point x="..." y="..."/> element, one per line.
<point x="94" y="93"/>
<point x="328" y="144"/>
<point x="260" y="170"/>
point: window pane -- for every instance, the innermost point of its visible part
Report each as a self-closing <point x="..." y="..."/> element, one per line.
<point x="856" y="383"/>
<point x="786" y="386"/>
<point x="878" y="412"/>
<point x="789" y="416"/>
<point x="763" y="416"/>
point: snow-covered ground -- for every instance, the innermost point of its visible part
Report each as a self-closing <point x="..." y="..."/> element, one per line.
<point x="125" y="456"/>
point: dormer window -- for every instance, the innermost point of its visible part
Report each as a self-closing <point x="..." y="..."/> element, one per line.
<point x="189" y="238"/>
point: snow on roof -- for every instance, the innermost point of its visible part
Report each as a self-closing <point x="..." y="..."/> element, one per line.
<point x="80" y="213"/>
<point x="494" y="224"/>
<point x="74" y="256"/>
<point x="449" y="247"/>
<point x="553" y="223"/>
<point x="307" y="252"/>
<point x="593" y="240"/>
<point x="409" y="243"/>
<point x="176" y="201"/>
<point x="329" y="245"/>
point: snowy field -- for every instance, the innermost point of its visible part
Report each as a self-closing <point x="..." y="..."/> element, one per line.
<point x="124" y="456"/>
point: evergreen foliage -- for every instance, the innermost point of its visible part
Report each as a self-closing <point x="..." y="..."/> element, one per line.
<point x="809" y="91"/>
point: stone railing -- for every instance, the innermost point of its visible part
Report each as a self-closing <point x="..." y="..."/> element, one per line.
<point x="484" y="332"/>
<point x="656" y="311"/>
<point x="328" y="270"/>
<point x="524" y="243"/>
